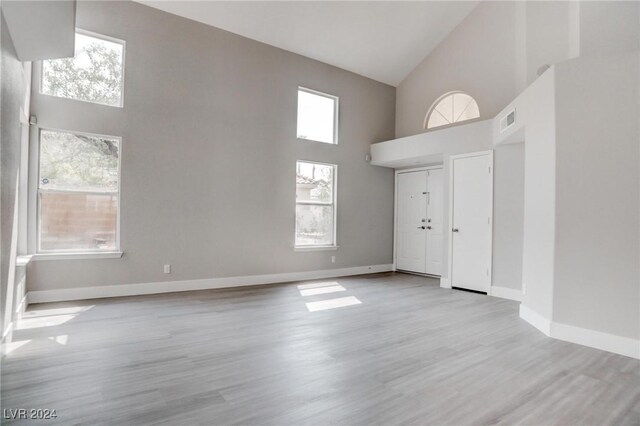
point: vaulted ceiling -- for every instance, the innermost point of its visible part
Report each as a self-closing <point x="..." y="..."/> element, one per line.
<point x="380" y="40"/>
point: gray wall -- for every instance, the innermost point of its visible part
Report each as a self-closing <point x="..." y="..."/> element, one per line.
<point x="208" y="155"/>
<point x="609" y="27"/>
<point x="12" y="91"/>
<point x="508" y="215"/>
<point x="540" y="194"/>
<point x="478" y="57"/>
<point x="597" y="271"/>
<point x="494" y="54"/>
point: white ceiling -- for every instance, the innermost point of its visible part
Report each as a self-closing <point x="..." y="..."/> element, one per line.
<point x="380" y="40"/>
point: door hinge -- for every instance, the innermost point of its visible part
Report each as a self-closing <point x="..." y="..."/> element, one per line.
<point x="489" y="169"/>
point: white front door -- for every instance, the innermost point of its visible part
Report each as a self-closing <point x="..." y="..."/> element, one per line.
<point x="471" y="224"/>
<point x="435" y="184"/>
<point x="411" y="216"/>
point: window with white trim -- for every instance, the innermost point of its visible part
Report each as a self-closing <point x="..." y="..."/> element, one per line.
<point x="315" y="204"/>
<point x="94" y="74"/>
<point x="317" y="116"/>
<point x="78" y="192"/>
<point x="451" y="108"/>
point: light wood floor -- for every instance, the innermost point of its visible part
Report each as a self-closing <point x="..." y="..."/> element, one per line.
<point x="409" y="353"/>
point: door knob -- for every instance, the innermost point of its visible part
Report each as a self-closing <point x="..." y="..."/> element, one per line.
<point x="455" y="230"/>
<point x="428" y="227"/>
<point x="420" y="227"/>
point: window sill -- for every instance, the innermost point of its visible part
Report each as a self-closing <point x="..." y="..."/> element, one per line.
<point x="23" y="259"/>
<point x="315" y="248"/>
<point x="315" y="141"/>
<point x="78" y="255"/>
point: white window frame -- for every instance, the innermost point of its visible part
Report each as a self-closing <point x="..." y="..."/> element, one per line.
<point x="433" y="106"/>
<point x="336" y="109"/>
<point x="101" y="37"/>
<point x="333" y="203"/>
<point x="75" y="253"/>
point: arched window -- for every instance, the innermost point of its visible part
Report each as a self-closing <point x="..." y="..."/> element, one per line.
<point x="450" y="108"/>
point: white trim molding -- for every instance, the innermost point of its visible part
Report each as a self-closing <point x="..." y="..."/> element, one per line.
<point x="77" y="255"/>
<point x="582" y="336"/>
<point x="596" y="339"/>
<point x="67" y="294"/>
<point x="444" y="282"/>
<point x="505" y="293"/>
<point x="315" y="248"/>
<point x="535" y="319"/>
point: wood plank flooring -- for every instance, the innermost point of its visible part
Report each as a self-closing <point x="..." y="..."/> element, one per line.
<point x="408" y="353"/>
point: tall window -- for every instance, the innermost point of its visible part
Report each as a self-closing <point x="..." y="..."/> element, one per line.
<point x="78" y="192"/>
<point x="450" y="108"/>
<point x="317" y="116"/>
<point x="94" y="74"/>
<point x="315" y="204"/>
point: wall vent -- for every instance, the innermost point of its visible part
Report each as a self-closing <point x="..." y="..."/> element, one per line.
<point x="508" y="121"/>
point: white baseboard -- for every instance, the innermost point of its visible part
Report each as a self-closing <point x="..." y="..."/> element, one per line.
<point x="60" y="295"/>
<point x="596" y="339"/>
<point x="535" y="319"/>
<point x="506" y="293"/>
<point x="444" y="282"/>
<point x="582" y="336"/>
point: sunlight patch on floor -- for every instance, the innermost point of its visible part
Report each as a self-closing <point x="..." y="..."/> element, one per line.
<point x="70" y="310"/>
<point x="62" y="339"/>
<point x="51" y="321"/>
<point x="317" y="285"/>
<point x="332" y="303"/>
<point x="36" y="318"/>
<point x="322" y="290"/>
<point x="15" y="345"/>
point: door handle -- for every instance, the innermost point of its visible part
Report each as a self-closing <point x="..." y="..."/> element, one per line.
<point x="428" y="227"/>
<point x="420" y="227"/>
<point x="455" y="230"/>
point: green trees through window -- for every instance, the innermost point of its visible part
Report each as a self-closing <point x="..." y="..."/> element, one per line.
<point x="94" y="74"/>
<point x="78" y="192"/>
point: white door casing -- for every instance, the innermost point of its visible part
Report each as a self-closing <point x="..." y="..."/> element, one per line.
<point x="411" y="230"/>
<point x="435" y="212"/>
<point x="471" y="183"/>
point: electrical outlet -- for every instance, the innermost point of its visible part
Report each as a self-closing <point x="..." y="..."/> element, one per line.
<point x="167" y="269"/>
<point x="333" y="259"/>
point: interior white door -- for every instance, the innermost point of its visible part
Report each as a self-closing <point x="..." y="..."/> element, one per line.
<point x="471" y="223"/>
<point x="411" y="221"/>
<point x="435" y="210"/>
